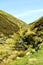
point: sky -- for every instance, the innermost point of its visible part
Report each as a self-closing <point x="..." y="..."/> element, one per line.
<point x="26" y="10"/>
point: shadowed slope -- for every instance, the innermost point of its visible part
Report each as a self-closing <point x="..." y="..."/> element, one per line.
<point x="37" y="23"/>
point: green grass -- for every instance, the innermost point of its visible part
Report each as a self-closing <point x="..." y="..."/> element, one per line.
<point x="25" y="60"/>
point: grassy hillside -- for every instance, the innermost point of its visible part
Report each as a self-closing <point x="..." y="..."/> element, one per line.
<point x="20" y="43"/>
<point x="13" y="19"/>
<point x="34" y="43"/>
<point x="10" y="24"/>
<point x="37" y="27"/>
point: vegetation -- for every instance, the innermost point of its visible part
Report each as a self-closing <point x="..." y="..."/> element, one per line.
<point x="20" y="43"/>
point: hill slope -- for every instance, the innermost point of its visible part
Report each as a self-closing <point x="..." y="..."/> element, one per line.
<point x="9" y="24"/>
<point x="37" y="27"/>
<point x="25" y="45"/>
<point x="34" y="56"/>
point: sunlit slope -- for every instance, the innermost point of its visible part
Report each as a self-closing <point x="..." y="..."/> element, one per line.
<point x="15" y="20"/>
<point x="9" y="24"/>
